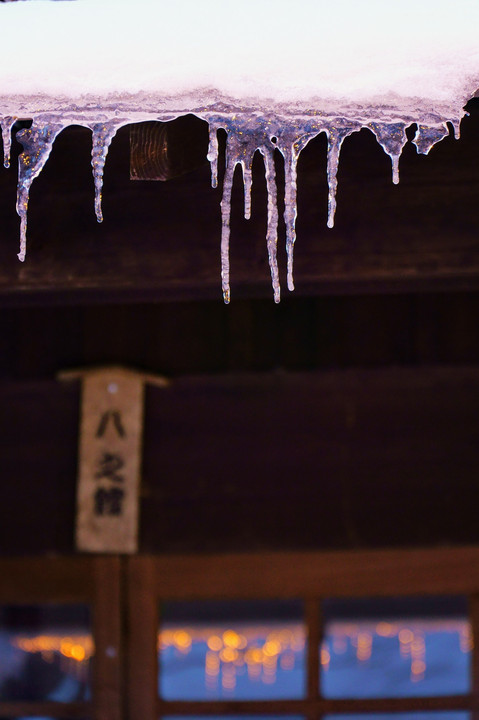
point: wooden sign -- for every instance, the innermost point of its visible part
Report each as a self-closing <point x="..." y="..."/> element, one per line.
<point x="109" y="459"/>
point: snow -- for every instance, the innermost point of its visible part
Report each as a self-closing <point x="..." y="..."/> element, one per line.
<point x="272" y="73"/>
<point x="271" y="50"/>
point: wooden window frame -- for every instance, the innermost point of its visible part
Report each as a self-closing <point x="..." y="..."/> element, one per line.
<point x="73" y="580"/>
<point x="311" y="577"/>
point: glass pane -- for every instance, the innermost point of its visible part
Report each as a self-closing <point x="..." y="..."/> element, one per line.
<point x="45" y="653"/>
<point x="234" y="650"/>
<point x="396" y="648"/>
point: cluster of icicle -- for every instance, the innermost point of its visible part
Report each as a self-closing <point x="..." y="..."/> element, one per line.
<point x="246" y="134"/>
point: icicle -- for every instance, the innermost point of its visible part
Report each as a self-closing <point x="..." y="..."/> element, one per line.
<point x="291" y="151"/>
<point x="213" y="153"/>
<point x="37" y="145"/>
<point x="392" y="138"/>
<point x="290" y="206"/>
<point x="247" y="184"/>
<point x="272" y="230"/>
<point x="225" y="226"/>
<point x="246" y="133"/>
<point x="102" y="135"/>
<point x="335" y="140"/>
<point x="456" y="126"/>
<point x="426" y="136"/>
<point x="6" y="124"/>
<point x="240" y="149"/>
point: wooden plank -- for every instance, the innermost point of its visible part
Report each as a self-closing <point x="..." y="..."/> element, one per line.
<point x="337" y="459"/>
<point x="474" y="620"/>
<point x="314" y="637"/>
<point x="319" y="706"/>
<point x="339" y="435"/>
<point x="379" y="573"/>
<point x="80" y="710"/>
<point x="108" y="681"/>
<point x="419" y="235"/>
<point x="162" y="151"/>
<point x="38" y="580"/>
<point x="143" y="619"/>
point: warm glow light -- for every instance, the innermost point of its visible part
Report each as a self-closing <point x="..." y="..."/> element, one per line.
<point x="406" y="636"/>
<point x="384" y="629"/>
<point x="272" y="648"/>
<point x="231" y="639"/>
<point x="215" y="643"/>
<point x="182" y="639"/>
<point x="228" y="655"/>
<point x="78" y="648"/>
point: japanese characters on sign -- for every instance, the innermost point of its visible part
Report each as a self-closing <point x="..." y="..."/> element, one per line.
<point x="109" y="462"/>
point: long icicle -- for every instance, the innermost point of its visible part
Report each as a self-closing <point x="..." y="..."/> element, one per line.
<point x="246" y="167"/>
<point x="291" y="150"/>
<point x="290" y="207"/>
<point x="37" y="145"/>
<point x="272" y="229"/>
<point x="336" y="136"/>
<point x="102" y="135"/>
<point x="225" y="225"/>
<point x="212" y="155"/>
<point x="6" y="124"/>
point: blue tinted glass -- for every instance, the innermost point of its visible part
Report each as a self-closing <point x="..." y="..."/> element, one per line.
<point x="395" y="648"/>
<point x="232" y="650"/>
<point x="45" y="653"/>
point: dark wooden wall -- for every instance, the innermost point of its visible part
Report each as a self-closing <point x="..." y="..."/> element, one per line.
<point x="319" y="423"/>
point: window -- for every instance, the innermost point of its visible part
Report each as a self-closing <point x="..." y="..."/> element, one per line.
<point x="59" y="635"/>
<point x="343" y="636"/>
<point x="372" y="627"/>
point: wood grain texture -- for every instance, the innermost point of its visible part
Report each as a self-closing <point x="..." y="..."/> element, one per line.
<point x="381" y="573"/>
<point x="162" y="151"/>
<point x="46" y="709"/>
<point x="108" y="679"/>
<point x="337" y="459"/>
<point x="312" y="613"/>
<point x="143" y="623"/>
<point x="310" y="707"/>
<point x="39" y="580"/>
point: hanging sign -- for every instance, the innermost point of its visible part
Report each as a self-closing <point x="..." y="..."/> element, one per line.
<point x="109" y="459"/>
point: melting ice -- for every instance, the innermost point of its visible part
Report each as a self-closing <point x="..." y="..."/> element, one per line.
<point x="247" y="132"/>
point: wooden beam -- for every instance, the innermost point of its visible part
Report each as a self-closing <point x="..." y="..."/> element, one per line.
<point x="290" y="707"/>
<point x="378" y="573"/>
<point x="34" y="580"/>
<point x="143" y="622"/>
<point x="320" y="706"/>
<point x="108" y="680"/>
<point x="79" y="710"/>
<point x="332" y="459"/>
<point x="162" y="151"/>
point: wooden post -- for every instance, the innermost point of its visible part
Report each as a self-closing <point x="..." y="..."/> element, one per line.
<point x="143" y="621"/>
<point x="109" y="459"/>
<point x="474" y="620"/>
<point x="107" y="677"/>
